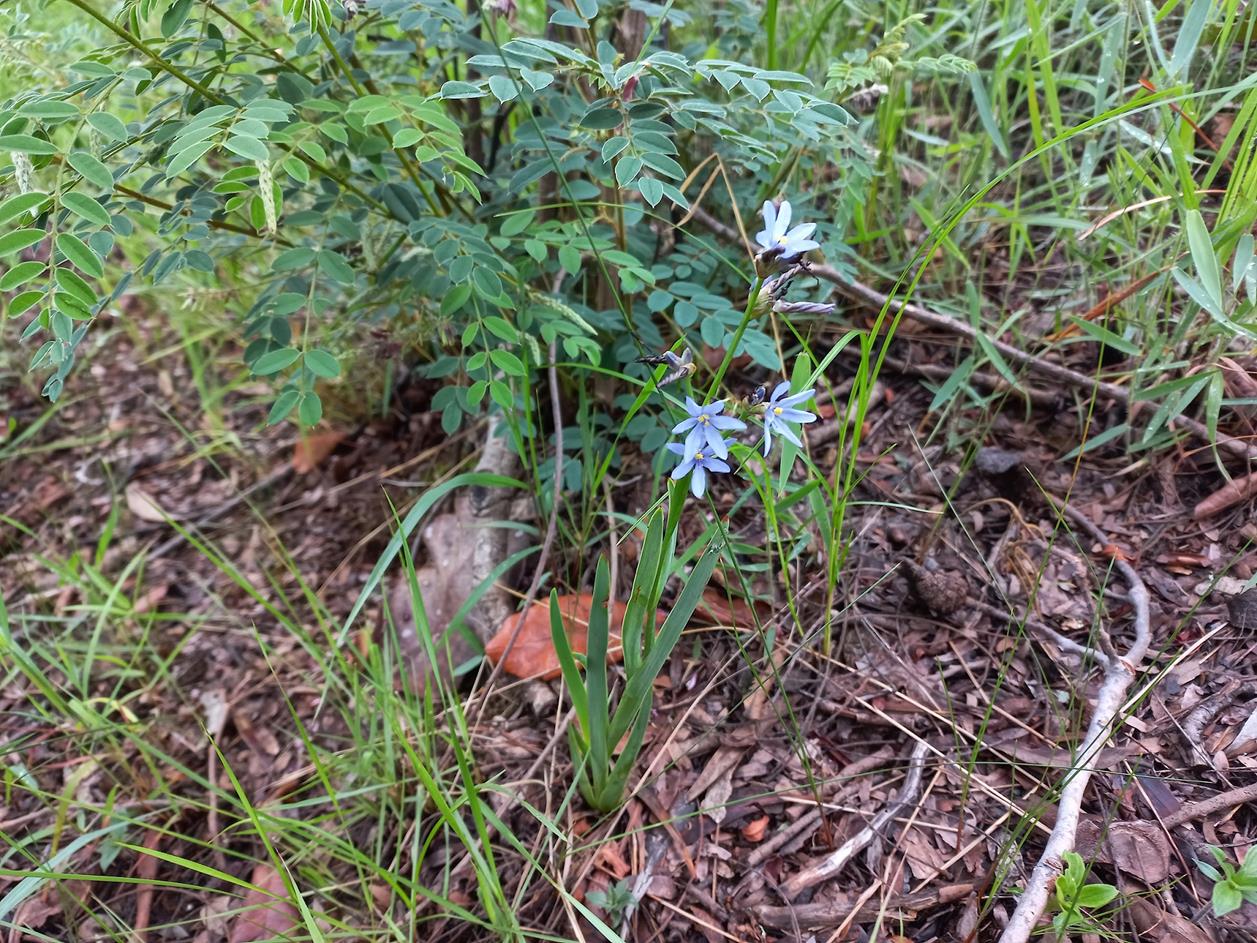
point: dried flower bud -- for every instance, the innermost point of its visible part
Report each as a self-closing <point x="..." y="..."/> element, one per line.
<point x="804" y="307"/>
<point x="768" y="261"/>
<point x="23" y="171"/>
<point x="266" y="190"/>
<point x="865" y="98"/>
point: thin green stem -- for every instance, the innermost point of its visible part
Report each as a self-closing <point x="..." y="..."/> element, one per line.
<point x="138" y="44"/>
<point x="215" y="97"/>
<point x="751" y="303"/>
<point x="770" y="32"/>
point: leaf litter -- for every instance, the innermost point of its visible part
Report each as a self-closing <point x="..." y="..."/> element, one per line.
<point x="750" y="777"/>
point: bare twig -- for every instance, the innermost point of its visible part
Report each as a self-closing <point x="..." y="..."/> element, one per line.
<point x="1222" y="801"/>
<point x="1060" y="641"/>
<point x="828" y="866"/>
<point x="1207" y="710"/>
<point x="1118" y="674"/>
<point x="862" y="293"/>
<point x="848" y="776"/>
<point x="826" y="914"/>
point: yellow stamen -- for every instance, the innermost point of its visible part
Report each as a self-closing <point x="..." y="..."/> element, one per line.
<point x="777" y="410"/>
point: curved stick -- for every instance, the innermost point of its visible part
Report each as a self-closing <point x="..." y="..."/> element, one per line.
<point x="829" y="866"/>
<point x="1118" y="673"/>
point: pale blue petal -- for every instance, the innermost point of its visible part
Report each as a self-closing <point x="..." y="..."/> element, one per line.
<point x="797" y="398"/>
<point x="717" y="465"/>
<point x="727" y="422"/>
<point x="717" y="407"/>
<point x="694" y="441"/>
<point x="768" y="437"/>
<point x="790" y="251"/>
<point x="783" y="221"/>
<point x="801" y="231"/>
<point x="796" y="415"/>
<point x="770" y="217"/>
<point x="692" y="407"/>
<point x="682" y="470"/>
<point x="716" y="444"/>
<point x="788" y="435"/>
<point x="764" y="238"/>
<point x="683" y="425"/>
<point x="698" y="484"/>
<point x="675" y="449"/>
<point x="780" y="390"/>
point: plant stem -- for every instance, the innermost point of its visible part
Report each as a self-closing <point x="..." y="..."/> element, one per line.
<point x="770" y="33"/>
<point x="751" y="303"/>
<point x="138" y="44"/>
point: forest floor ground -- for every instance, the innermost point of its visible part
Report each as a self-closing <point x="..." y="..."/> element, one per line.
<point x="179" y="716"/>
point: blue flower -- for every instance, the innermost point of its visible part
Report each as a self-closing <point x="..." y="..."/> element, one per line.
<point x="700" y="462"/>
<point x="780" y="410"/>
<point x="775" y="238"/>
<point x="704" y="427"/>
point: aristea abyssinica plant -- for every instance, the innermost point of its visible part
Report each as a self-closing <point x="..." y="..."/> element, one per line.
<point x="602" y="776"/>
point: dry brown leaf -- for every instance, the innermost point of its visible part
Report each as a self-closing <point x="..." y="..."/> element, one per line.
<point x="34" y="912"/>
<point x="717" y="608"/>
<point x="1229" y="495"/>
<point x="611" y="859"/>
<point x="753" y="831"/>
<point x="142" y="505"/>
<point x="533" y="654"/>
<point x="716" y="802"/>
<point x="1156" y="924"/>
<point x="310" y="450"/>
<point x="1245" y="739"/>
<point x="1139" y="849"/>
<point x="266" y="912"/>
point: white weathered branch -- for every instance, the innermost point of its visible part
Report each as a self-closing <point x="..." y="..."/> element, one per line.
<point x="1118" y="674"/>
<point x="829" y="866"/>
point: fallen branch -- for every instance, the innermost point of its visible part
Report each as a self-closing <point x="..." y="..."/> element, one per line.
<point x="829" y="866"/>
<point x="1206" y="711"/>
<point x="825" y="915"/>
<point x="1219" y="803"/>
<point x="1060" y="641"/>
<point x="856" y="291"/>
<point x="1119" y="671"/>
<point x="849" y="776"/>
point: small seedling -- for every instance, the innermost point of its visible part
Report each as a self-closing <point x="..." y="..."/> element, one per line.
<point x="1072" y="895"/>
<point x="1231" y="886"/>
<point x="615" y="900"/>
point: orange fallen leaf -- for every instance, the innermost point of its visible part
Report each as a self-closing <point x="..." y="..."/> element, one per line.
<point x="266" y="912"/>
<point x="1234" y="492"/>
<point x="753" y="831"/>
<point x="610" y="859"/>
<point x="533" y="654"/>
<point x="718" y="609"/>
<point x="310" y="450"/>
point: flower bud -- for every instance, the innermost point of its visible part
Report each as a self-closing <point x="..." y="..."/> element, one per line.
<point x="23" y="171"/>
<point x="266" y="190"/>
<point x="804" y="307"/>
